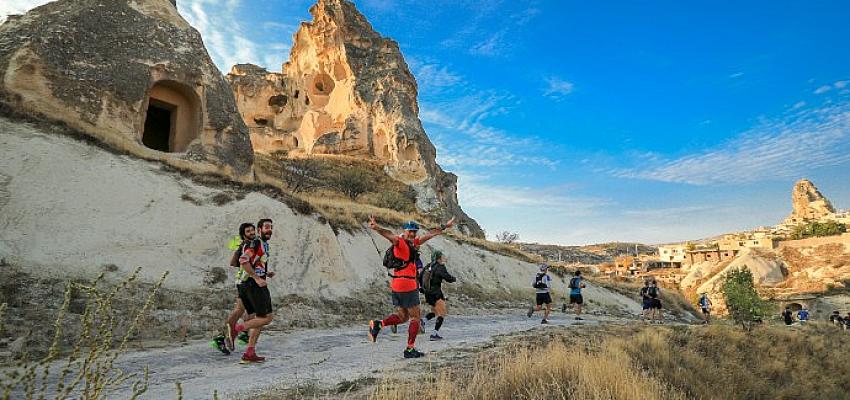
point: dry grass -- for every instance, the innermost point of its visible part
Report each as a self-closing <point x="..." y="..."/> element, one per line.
<point x="89" y="371"/>
<point x="553" y="372"/>
<point x="508" y="250"/>
<point x="628" y="362"/>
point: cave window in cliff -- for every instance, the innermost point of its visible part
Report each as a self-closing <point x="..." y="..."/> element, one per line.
<point x="172" y="118"/>
<point x="795" y="306"/>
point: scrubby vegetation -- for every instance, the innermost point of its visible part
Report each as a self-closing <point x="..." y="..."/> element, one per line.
<point x="629" y="362"/>
<point x="818" y="229"/>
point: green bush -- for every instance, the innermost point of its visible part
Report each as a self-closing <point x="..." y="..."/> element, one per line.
<point x="818" y="229"/>
<point x="403" y="202"/>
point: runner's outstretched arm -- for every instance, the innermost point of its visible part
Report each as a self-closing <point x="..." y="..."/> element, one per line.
<point x="436" y="231"/>
<point x="386" y="233"/>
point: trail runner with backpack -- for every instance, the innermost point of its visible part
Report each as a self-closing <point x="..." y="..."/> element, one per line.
<point x="646" y="301"/>
<point x="431" y="281"/>
<point x="655" y="303"/>
<point x="542" y="285"/>
<point x="253" y="290"/>
<point x="400" y="261"/>
<point x="232" y="330"/>
<point x="705" y="305"/>
<point x="576" y="299"/>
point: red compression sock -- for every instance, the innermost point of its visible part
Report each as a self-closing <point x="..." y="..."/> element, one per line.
<point x="391" y="320"/>
<point x="412" y="331"/>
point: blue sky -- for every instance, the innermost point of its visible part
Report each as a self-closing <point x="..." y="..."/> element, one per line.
<point x="579" y="122"/>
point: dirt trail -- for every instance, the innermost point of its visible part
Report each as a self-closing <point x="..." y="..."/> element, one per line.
<point x="324" y="357"/>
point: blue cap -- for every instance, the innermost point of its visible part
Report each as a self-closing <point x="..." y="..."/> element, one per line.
<point x="544" y="267"/>
<point x="411" y="226"/>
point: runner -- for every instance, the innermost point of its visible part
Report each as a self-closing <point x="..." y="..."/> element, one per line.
<point x="646" y="301"/>
<point x="788" y="316"/>
<point x="705" y="305"/>
<point x="576" y="299"/>
<point x="803" y="315"/>
<point x="224" y="342"/>
<point x="254" y="290"/>
<point x="433" y="276"/>
<point x="405" y="290"/>
<point x="542" y="284"/>
<point x="655" y="303"/>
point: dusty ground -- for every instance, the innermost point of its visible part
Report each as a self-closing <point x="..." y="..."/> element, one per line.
<point x="322" y="360"/>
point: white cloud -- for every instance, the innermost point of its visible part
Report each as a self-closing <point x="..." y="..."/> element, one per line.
<point x="224" y="36"/>
<point x="463" y="138"/>
<point x="431" y="75"/>
<point x="492" y="46"/>
<point x="557" y="88"/>
<point x="736" y="75"/>
<point x="798" y="105"/>
<point x="841" y="84"/>
<point x="475" y="194"/>
<point x="786" y="148"/>
<point x="12" y="7"/>
<point x="823" y="89"/>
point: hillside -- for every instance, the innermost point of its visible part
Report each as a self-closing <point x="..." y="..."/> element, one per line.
<point x="590" y="254"/>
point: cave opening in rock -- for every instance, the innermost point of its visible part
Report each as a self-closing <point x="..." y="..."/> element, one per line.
<point x="157" y="133"/>
<point x="173" y="117"/>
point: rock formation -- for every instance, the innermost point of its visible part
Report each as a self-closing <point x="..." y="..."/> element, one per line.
<point x="809" y="203"/>
<point x="132" y="74"/>
<point x="347" y="90"/>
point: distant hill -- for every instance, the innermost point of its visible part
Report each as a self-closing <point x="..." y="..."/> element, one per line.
<point x="591" y="254"/>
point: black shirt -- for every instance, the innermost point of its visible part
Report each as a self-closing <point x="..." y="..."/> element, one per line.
<point x="439" y="273"/>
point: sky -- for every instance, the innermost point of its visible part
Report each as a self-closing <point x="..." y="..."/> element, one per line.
<point x="575" y="122"/>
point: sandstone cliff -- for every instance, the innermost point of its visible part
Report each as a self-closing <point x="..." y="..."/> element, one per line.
<point x="808" y="202"/>
<point x="347" y="90"/>
<point x="131" y="74"/>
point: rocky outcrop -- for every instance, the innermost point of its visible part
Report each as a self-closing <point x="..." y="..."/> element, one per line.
<point x="809" y="203"/>
<point x="130" y="73"/>
<point x="347" y="90"/>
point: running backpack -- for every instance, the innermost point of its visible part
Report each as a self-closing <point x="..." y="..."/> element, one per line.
<point x="391" y="262"/>
<point x="425" y="278"/>
<point x="574" y="283"/>
<point x="538" y="282"/>
<point x="653" y="292"/>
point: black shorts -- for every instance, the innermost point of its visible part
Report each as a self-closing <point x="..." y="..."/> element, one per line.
<point x="655" y="303"/>
<point x="257" y="300"/>
<point x="647" y="304"/>
<point x="405" y="299"/>
<point x="432" y="298"/>
<point x="706" y="311"/>
<point x="544" y="298"/>
<point x="576" y="299"/>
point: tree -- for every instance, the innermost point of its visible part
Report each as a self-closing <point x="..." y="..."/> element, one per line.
<point x="507" y="237"/>
<point x="301" y="174"/>
<point x="351" y="181"/>
<point x="742" y="300"/>
<point x="818" y="229"/>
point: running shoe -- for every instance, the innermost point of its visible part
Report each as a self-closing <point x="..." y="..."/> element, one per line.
<point x="530" y="311"/>
<point x="564" y="307"/>
<point x="228" y="336"/>
<point x="251" y="359"/>
<point x="413" y="353"/>
<point x="242" y="338"/>
<point x="578" y="318"/>
<point x="394" y="329"/>
<point x="436" y="336"/>
<point x="544" y="322"/>
<point x="374" y="330"/>
<point x="218" y="344"/>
